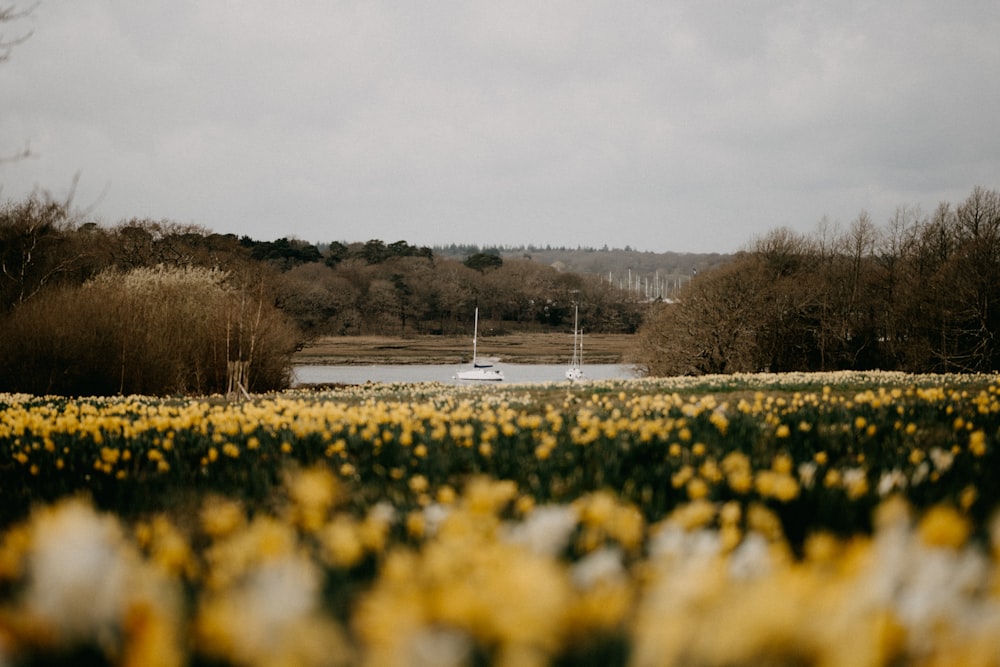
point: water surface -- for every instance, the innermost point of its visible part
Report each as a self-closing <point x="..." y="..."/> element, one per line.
<point x="389" y="373"/>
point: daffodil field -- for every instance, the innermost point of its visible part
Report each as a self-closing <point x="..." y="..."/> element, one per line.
<point x="835" y="520"/>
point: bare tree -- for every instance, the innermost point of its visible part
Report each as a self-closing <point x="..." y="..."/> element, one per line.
<point x="455" y="286"/>
<point x="921" y="295"/>
<point x="12" y="14"/>
<point x="40" y="245"/>
<point x="713" y="327"/>
<point x="858" y="306"/>
<point x="314" y="295"/>
<point x="892" y="281"/>
<point x="973" y="273"/>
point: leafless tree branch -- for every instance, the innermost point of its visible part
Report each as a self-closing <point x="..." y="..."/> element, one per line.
<point x="9" y="14"/>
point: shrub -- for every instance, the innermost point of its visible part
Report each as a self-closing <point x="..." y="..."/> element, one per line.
<point x="155" y="330"/>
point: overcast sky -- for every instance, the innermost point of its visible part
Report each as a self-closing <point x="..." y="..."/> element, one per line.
<point x="685" y="125"/>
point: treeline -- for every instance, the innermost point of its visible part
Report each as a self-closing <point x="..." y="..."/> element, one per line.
<point x="398" y="289"/>
<point x="617" y="263"/>
<point x="920" y="293"/>
<point x="157" y="307"/>
<point x="143" y="308"/>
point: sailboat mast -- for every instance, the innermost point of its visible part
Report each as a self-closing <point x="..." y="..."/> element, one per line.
<point x="475" y="336"/>
<point x="576" y="334"/>
<point x="574" y="372"/>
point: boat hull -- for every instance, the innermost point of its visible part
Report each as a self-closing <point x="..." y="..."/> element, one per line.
<point x="480" y="375"/>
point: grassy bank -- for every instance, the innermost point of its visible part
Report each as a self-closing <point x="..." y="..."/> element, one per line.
<point x="519" y="348"/>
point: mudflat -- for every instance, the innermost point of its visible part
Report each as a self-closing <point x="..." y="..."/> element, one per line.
<point x="514" y="348"/>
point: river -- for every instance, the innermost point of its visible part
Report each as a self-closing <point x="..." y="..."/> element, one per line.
<point x="390" y="373"/>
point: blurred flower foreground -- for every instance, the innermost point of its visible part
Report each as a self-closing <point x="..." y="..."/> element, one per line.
<point x="833" y="520"/>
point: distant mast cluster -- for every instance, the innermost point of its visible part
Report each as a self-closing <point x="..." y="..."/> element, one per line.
<point x="649" y="287"/>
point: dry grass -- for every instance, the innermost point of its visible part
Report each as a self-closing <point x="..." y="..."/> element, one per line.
<point x="523" y="348"/>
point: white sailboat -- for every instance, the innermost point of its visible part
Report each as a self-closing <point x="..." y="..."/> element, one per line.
<point x="575" y="370"/>
<point x="480" y="371"/>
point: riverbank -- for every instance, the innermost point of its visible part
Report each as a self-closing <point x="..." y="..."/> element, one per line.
<point x="517" y="348"/>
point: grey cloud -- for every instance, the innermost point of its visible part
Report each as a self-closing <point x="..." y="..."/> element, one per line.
<point x="667" y="126"/>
